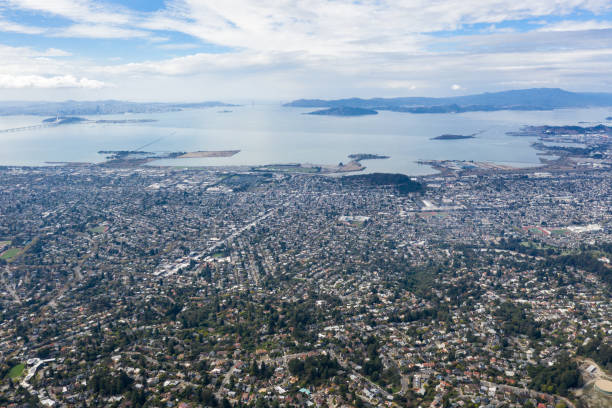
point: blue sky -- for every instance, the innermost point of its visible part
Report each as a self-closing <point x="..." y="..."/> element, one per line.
<point x="283" y="49"/>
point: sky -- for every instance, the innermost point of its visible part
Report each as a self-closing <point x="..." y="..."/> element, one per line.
<point x="197" y="50"/>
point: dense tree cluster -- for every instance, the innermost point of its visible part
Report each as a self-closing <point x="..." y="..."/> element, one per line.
<point x="374" y="368"/>
<point x="402" y="183"/>
<point x="556" y="379"/>
<point x="314" y="370"/>
<point x="517" y="321"/>
<point x="597" y="349"/>
<point x="588" y="261"/>
<point x="105" y="383"/>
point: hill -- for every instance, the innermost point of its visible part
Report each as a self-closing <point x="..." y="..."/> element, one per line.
<point x="402" y="183"/>
<point x="525" y="99"/>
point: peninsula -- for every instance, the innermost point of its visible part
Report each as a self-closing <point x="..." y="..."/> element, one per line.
<point x="206" y="154"/>
<point x="132" y="158"/>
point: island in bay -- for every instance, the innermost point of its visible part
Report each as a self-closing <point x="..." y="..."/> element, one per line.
<point x="453" y="137"/>
<point x="366" y="156"/>
<point x="344" y="111"/>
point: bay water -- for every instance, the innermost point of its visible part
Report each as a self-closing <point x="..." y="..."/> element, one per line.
<point x="273" y="134"/>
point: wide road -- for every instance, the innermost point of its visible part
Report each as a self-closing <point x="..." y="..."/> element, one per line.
<point x="172" y="270"/>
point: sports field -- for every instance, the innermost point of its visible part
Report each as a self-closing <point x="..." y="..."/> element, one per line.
<point x="10" y="254"/>
<point x="16" y="371"/>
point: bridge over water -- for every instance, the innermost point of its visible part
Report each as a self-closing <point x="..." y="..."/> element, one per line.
<point x="26" y="128"/>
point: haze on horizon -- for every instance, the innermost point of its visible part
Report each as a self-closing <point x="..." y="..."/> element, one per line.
<point x="192" y="50"/>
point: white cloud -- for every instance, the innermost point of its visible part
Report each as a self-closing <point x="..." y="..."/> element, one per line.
<point x="320" y="27"/>
<point x="54" y="52"/>
<point x="179" y="46"/>
<point x="37" y="81"/>
<point x="343" y="45"/>
<point x="456" y="87"/>
<point x="15" y="54"/>
<point x="9" y="26"/>
<point x="578" y="26"/>
<point x="315" y="27"/>
<point x="99" y="31"/>
<point x="399" y="84"/>
<point x="202" y="62"/>
<point x="89" y="11"/>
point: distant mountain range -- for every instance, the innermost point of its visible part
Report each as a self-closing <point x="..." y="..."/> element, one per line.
<point x="97" y="107"/>
<point x="525" y="99"/>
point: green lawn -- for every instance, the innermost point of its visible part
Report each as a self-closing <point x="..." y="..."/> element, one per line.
<point x="10" y="254"/>
<point x="98" y="230"/>
<point x="16" y="371"/>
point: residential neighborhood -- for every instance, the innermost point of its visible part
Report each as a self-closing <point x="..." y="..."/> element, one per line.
<point x="165" y="287"/>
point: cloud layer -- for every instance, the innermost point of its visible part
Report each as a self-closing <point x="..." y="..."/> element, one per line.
<point x="37" y="81"/>
<point x="287" y="48"/>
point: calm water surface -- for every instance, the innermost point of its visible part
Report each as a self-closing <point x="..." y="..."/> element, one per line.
<point x="268" y="134"/>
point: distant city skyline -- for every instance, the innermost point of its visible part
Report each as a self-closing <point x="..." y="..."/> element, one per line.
<point x="193" y="50"/>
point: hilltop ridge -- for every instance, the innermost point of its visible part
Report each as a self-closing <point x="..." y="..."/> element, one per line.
<point x="523" y="99"/>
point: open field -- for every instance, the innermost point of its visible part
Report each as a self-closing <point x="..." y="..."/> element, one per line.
<point x="10" y="254"/>
<point x="99" y="229"/>
<point x="16" y="371"/>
